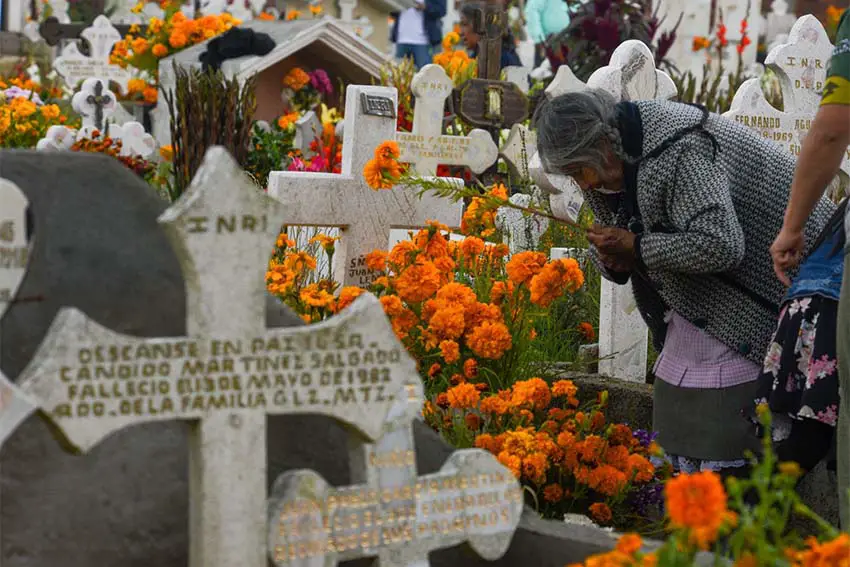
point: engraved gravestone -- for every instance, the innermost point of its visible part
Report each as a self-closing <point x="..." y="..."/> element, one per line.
<point x="426" y="147"/>
<point x="74" y="67"/>
<point x="364" y="215"/>
<point x="228" y="373"/>
<point x="523" y="230"/>
<point x="801" y="66"/>
<point x="519" y="147"/>
<point x="473" y="499"/>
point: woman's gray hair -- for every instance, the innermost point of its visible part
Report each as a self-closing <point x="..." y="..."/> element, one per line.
<point x="576" y="130"/>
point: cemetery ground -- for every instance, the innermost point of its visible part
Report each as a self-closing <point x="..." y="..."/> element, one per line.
<point x="375" y="311"/>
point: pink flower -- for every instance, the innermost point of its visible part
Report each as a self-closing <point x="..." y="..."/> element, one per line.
<point x="820" y="368"/>
<point x="297" y="164"/>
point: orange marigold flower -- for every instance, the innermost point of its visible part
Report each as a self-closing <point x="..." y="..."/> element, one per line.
<point x="500" y="290"/>
<point x="640" y="468"/>
<point x="287" y="120"/>
<point x="607" y="480"/>
<point x="446" y="265"/>
<point x="553" y="493"/>
<point x="159" y="50"/>
<point x="442" y="400"/>
<point x="471" y="246"/>
<point x="347" y="295"/>
<point x="473" y="422"/>
<point x="299" y="261"/>
<point x="564" y="389"/>
<point x="434" y="370"/>
<point x="432" y="242"/>
<point x="177" y="39"/>
<point x="620" y="434"/>
<point x="478" y="313"/>
<point x="495" y="405"/>
<point x="150" y="94"/>
<point x="457" y="379"/>
<point x="700" y="43"/>
<point x="618" y="457"/>
<point x="166" y="152"/>
<point x="512" y="462"/>
<point x="450" y="351"/>
<point x="535" y="466"/>
<point x="629" y="544"/>
<point x="525" y="265"/>
<point x="392" y="305"/>
<point x="463" y="396"/>
<point x="296" y="79"/>
<point x="314" y="296"/>
<point x="592" y="448"/>
<point x="381" y="176"/>
<point x="402" y="254"/>
<point x="387" y="152"/>
<point x="470" y="368"/>
<point x="490" y="340"/>
<point x="534" y="392"/>
<point x="265" y="16"/>
<point x="746" y="560"/>
<point x="293" y="15"/>
<point x="601" y="512"/>
<point x="418" y="282"/>
<point x="135" y="85"/>
<point x="697" y="502"/>
<point x="376" y="260"/>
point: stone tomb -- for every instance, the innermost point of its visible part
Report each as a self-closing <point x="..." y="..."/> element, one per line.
<point x="426" y="147"/>
<point x="364" y="215"/>
<point x="309" y="44"/>
<point x="228" y="373"/>
<point x="801" y="65"/>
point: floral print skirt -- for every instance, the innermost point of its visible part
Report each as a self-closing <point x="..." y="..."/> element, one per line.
<point x="800" y="376"/>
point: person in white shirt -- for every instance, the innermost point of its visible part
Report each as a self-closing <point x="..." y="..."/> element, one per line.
<point x="418" y="30"/>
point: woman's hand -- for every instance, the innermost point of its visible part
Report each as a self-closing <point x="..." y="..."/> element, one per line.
<point x="787" y="251"/>
<point x="616" y="247"/>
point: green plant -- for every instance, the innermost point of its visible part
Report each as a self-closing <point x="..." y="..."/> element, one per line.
<point x="270" y="148"/>
<point x="206" y="110"/>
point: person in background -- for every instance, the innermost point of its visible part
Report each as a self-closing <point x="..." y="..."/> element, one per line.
<point x="470" y="37"/>
<point x="820" y="159"/>
<point x="544" y="18"/>
<point x="416" y="31"/>
<point x="686" y="204"/>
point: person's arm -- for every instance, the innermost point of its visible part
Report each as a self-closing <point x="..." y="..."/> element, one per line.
<point x="603" y="217"/>
<point x="706" y="235"/>
<point x="533" y="22"/>
<point x="820" y="159"/>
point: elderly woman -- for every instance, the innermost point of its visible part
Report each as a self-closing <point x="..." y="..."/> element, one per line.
<point x="686" y="204"/>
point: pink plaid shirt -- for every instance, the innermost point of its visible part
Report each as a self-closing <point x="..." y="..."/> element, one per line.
<point x="692" y="358"/>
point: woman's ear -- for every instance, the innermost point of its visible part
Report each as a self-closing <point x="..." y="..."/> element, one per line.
<point x="589" y="176"/>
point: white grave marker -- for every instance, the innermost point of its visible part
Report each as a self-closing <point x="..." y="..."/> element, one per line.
<point x="425" y="147"/>
<point x="365" y="215"/>
<point x="229" y="372"/>
<point x="74" y="67"/>
<point x="523" y="230"/>
<point x="307" y="129"/>
<point x="472" y="499"/>
<point x="631" y="75"/>
<point x="801" y="65"/>
<point x="519" y="147"/>
<point x="94" y="103"/>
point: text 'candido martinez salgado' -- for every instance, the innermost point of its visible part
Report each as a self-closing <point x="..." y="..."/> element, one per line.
<point x="158" y="377"/>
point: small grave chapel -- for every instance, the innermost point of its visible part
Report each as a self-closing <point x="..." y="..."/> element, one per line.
<point x="309" y="44"/>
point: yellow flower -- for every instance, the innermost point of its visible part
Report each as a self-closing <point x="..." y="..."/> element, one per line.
<point x="166" y="152"/>
<point x="50" y="111"/>
<point x="316" y="10"/>
<point x="136" y="85"/>
<point x="287" y="120"/>
<point x="314" y="296"/>
<point x="790" y="469"/>
<point x="325" y="241"/>
<point x="137" y="9"/>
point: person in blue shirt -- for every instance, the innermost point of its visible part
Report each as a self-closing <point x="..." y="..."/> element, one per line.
<point x="470" y="37"/>
<point x="543" y="19"/>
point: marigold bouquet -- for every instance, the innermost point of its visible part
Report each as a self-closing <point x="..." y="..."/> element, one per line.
<point x="161" y="38"/>
<point x="305" y="90"/>
<point x="459" y="66"/>
<point x="569" y="458"/>
<point x="24" y="119"/>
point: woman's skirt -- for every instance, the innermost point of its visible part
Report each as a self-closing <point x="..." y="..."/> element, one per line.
<point x="800" y="376"/>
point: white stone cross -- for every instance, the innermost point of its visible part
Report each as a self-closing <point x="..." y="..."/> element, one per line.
<point x="135" y="141"/>
<point x="359" y="26"/>
<point x="518" y="149"/>
<point x="95" y="103"/>
<point x="15" y="405"/>
<point x="229" y="372"/>
<point x="472" y="499"/>
<point x="425" y="147"/>
<point x="801" y="65"/>
<point x="74" y="67"/>
<point x="631" y="75"/>
<point x="365" y="215"/>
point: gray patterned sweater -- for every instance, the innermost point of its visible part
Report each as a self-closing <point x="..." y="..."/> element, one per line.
<point x="709" y="221"/>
